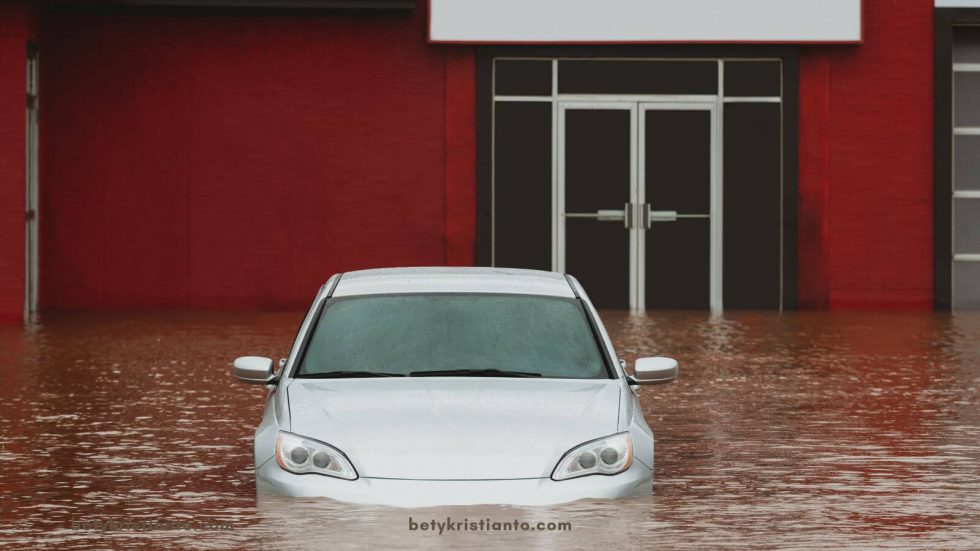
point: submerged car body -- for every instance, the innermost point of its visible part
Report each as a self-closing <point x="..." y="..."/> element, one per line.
<point x="444" y="386"/>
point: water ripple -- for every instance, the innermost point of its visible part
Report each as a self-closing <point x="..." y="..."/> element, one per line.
<point x="808" y="430"/>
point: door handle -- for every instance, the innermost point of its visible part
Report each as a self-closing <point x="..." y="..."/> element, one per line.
<point x="610" y="215"/>
<point x="648" y="216"/>
<point x="601" y="215"/>
<point x="660" y="216"/>
<point x="630" y="215"/>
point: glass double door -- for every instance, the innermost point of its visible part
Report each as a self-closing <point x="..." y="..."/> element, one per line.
<point x="637" y="203"/>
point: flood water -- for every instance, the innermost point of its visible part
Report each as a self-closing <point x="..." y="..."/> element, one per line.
<point x="808" y="430"/>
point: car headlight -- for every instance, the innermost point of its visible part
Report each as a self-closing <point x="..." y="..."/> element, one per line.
<point x="608" y="456"/>
<point x="300" y="455"/>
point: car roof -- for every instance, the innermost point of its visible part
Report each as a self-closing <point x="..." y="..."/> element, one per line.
<point x="453" y="280"/>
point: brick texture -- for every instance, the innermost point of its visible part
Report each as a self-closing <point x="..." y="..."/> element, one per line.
<point x="15" y="29"/>
<point x="238" y="161"/>
<point x="460" y="157"/>
<point x="866" y="152"/>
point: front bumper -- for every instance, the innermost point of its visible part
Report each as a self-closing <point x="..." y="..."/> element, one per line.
<point x="636" y="481"/>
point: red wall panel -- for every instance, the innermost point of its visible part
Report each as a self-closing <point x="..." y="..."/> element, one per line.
<point x="235" y="161"/>
<point x="814" y="181"/>
<point x="866" y="155"/>
<point x="15" y="28"/>
<point x="232" y="161"/>
<point x="12" y="188"/>
<point x="460" y="157"/>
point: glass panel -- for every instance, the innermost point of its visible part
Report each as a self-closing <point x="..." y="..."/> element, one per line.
<point x="966" y="45"/>
<point x="966" y="285"/>
<point x="966" y="226"/>
<point x="637" y="77"/>
<point x="678" y="265"/>
<point x="753" y="78"/>
<point x="678" y="178"/>
<point x="678" y="160"/>
<point x="522" y="78"/>
<point x="966" y="96"/>
<point x="966" y="156"/>
<point x="597" y="159"/>
<point x="542" y="335"/>
<point x="753" y="206"/>
<point x="522" y="185"/>
<point x="597" y="177"/>
<point x="598" y="255"/>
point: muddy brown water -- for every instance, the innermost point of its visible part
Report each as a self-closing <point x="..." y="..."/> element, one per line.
<point x="808" y="430"/>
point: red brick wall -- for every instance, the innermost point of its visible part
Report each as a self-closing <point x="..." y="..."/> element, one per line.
<point x="235" y="161"/>
<point x="15" y="28"/>
<point x="460" y="156"/>
<point x="866" y="162"/>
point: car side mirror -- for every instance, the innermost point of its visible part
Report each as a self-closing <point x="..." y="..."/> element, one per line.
<point x="654" y="371"/>
<point x="254" y="370"/>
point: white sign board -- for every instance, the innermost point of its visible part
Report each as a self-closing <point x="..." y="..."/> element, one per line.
<point x="645" y="21"/>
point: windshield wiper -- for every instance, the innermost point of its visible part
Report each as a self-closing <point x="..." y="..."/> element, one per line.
<point x="473" y="373"/>
<point x="346" y="374"/>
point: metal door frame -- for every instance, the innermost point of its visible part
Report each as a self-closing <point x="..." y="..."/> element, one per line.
<point x="558" y="182"/>
<point x="31" y="260"/>
<point x="637" y="106"/>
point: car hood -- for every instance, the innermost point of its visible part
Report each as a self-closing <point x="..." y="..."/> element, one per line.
<point x="460" y="428"/>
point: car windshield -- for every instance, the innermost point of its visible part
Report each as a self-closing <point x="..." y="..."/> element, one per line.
<point x="453" y="335"/>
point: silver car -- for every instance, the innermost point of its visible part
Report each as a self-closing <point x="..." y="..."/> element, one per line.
<point x="453" y="386"/>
